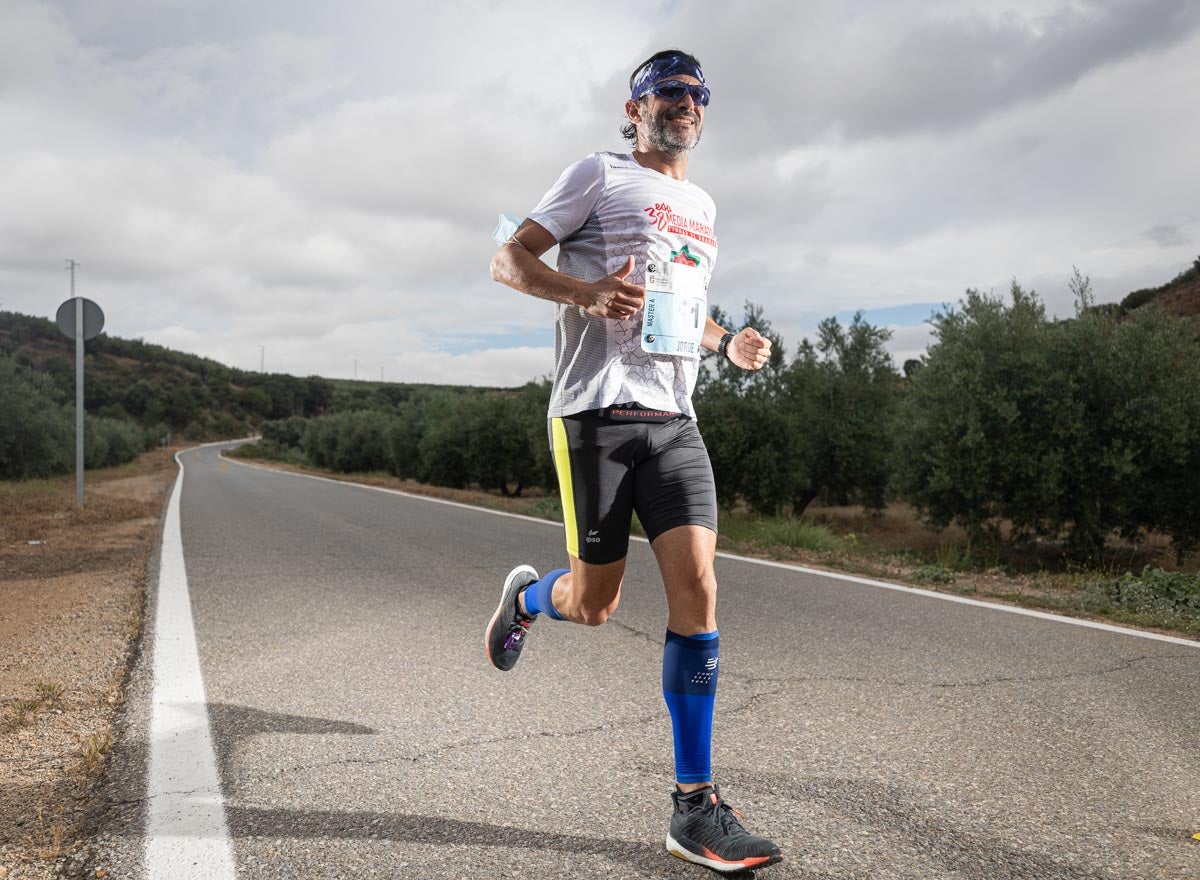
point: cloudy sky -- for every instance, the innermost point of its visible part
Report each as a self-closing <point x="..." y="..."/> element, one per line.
<point x="322" y="180"/>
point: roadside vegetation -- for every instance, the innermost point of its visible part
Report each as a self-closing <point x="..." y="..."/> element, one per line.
<point x="71" y="590"/>
<point x="138" y="396"/>
<point x="1049" y="462"/>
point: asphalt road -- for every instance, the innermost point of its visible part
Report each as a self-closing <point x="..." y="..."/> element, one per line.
<point x="360" y="731"/>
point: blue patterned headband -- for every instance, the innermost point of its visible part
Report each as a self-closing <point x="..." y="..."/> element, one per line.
<point x="667" y="66"/>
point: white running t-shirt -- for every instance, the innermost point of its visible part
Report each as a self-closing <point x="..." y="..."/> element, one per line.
<point x="602" y="210"/>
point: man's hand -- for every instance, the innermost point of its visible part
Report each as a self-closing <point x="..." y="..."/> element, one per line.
<point x="749" y="349"/>
<point x="614" y="297"/>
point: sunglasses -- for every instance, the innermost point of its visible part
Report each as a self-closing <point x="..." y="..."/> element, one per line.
<point x="674" y="90"/>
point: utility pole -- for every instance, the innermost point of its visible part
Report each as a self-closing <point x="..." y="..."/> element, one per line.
<point x="71" y="264"/>
<point x="262" y="358"/>
<point x="79" y="319"/>
<point x="356" y="369"/>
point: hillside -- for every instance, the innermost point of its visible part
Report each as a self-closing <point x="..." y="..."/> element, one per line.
<point x="1179" y="297"/>
<point x="194" y="397"/>
<point x="197" y="398"/>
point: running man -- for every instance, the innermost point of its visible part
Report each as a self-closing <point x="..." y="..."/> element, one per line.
<point x="636" y="250"/>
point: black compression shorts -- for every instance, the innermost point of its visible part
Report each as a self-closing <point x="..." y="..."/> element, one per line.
<point x="619" y="460"/>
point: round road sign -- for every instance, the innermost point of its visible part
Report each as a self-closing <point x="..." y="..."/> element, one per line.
<point x="93" y="318"/>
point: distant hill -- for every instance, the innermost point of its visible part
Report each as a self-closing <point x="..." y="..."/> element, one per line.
<point x="1179" y="297"/>
<point x="191" y="396"/>
<point x="194" y="397"/>
<point x="201" y="399"/>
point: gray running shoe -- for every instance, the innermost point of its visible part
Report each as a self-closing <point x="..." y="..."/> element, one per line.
<point x="706" y="830"/>
<point x="508" y="629"/>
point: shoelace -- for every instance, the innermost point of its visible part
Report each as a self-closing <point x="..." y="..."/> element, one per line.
<point x="726" y="817"/>
<point x="516" y="633"/>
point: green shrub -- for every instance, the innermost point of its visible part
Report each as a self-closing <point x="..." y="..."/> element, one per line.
<point x="271" y="451"/>
<point x="403" y="439"/>
<point x="287" y="433"/>
<point x="347" y="442"/>
<point x="1071" y="428"/>
<point x="1138" y="298"/>
<point x="934" y="573"/>
<point x="549" y="507"/>
<point x="823" y="424"/>
<point x="110" y="442"/>
<point x="262" y="449"/>
<point x="797" y="535"/>
<point x="37" y="434"/>
<point x="442" y="450"/>
<point x="1154" y="590"/>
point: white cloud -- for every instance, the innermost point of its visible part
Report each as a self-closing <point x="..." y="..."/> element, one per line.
<point x="323" y="181"/>
<point x="793" y="72"/>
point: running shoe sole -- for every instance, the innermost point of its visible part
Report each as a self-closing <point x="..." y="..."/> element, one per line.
<point x="709" y="859"/>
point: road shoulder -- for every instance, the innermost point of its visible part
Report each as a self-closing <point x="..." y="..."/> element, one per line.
<point x="73" y="592"/>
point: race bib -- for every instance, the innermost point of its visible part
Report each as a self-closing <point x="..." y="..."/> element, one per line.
<point x="676" y="309"/>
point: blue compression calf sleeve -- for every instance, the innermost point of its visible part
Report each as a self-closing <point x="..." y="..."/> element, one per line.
<point x="690" y="689"/>
<point x="537" y="596"/>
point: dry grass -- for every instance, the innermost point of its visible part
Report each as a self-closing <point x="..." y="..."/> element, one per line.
<point x="20" y="714"/>
<point x="94" y="751"/>
<point x="51" y="840"/>
<point x="899" y="529"/>
<point x="895" y="529"/>
<point x="72" y="603"/>
<point x="49" y="694"/>
<point x="23" y="712"/>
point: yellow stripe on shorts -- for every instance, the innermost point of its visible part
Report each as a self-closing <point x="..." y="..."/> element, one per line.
<point x="562" y="464"/>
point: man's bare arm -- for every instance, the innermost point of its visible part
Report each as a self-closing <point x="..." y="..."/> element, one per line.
<point x="518" y="264"/>
<point x="748" y="349"/>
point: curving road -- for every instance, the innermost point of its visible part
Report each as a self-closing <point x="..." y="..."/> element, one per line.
<point x="358" y="730"/>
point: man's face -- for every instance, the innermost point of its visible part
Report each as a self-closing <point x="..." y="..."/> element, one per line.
<point x="673" y="127"/>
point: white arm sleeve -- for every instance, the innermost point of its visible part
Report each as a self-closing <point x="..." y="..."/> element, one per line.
<point x="565" y="208"/>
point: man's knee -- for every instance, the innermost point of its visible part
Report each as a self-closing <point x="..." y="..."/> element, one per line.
<point x="595" y="591"/>
<point x="593" y="617"/>
<point x="699" y="588"/>
<point x="696" y="575"/>
<point x="595" y="613"/>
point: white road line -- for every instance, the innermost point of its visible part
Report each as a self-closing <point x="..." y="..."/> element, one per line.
<point x="186" y="836"/>
<point x="883" y="585"/>
<point x="962" y="600"/>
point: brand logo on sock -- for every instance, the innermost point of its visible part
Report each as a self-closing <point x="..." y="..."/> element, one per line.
<point x="710" y="663"/>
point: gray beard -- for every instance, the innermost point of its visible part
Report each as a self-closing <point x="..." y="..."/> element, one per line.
<point x="661" y="136"/>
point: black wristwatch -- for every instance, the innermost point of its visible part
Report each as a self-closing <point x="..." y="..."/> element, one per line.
<point x="723" y="346"/>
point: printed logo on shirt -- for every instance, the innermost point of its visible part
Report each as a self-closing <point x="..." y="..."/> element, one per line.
<point x="666" y="220"/>
<point x="660" y="216"/>
<point x="683" y="255"/>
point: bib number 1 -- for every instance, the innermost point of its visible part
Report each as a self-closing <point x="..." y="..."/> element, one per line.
<point x="676" y="309"/>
